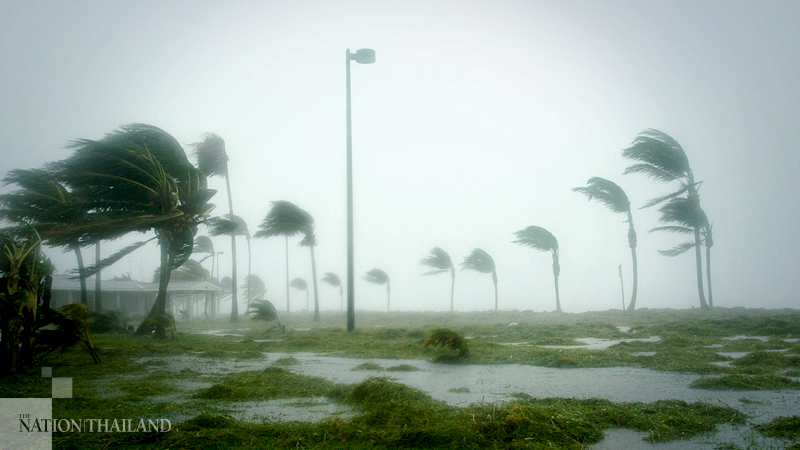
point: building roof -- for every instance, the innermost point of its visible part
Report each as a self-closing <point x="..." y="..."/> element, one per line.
<point x="66" y="283"/>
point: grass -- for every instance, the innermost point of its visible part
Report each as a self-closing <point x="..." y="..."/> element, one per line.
<point x="738" y="382"/>
<point x="392" y="415"/>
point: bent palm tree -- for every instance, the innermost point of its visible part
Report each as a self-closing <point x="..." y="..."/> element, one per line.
<point x="137" y="179"/>
<point x="332" y="279"/>
<point x="661" y="157"/>
<point x="301" y="285"/>
<point x="440" y="260"/>
<point x="682" y="216"/>
<point x="544" y="241"/>
<point x="254" y="285"/>
<point x="480" y="261"/>
<point x="220" y="226"/>
<point x="264" y="311"/>
<point x="287" y="219"/>
<point x="212" y="160"/>
<point x="43" y="202"/>
<point x="377" y="276"/>
<point x="610" y="194"/>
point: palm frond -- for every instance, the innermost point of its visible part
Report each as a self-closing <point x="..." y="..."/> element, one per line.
<point x="673" y="229"/>
<point x="263" y="310"/>
<point x="538" y="238"/>
<point x="658" y="200"/>
<point x="376" y="276"/>
<point x="299" y="284"/>
<point x="331" y="279"/>
<point x="437" y="259"/>
<point x="222" y="226"/>
<point x="257" y="286"/>
<point x="678" y="249"/>
<point x="606" y="192"/>
<point x="661" y="156"/>
<point x="203" y="244"/>
<point x="191" y="270"/>
<point x="479" y="261"/>
<point x="435" y="272"/>
<point x="285" y="219"/>
<point x="212" y="159"/>
<point x="683" y="211"/>
<point x="111" y="260"/>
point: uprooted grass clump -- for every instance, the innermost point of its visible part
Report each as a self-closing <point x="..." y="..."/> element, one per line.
<point x="787" y="428"/>
<point x="454" y="347"/>
<point x="736" y="382"/>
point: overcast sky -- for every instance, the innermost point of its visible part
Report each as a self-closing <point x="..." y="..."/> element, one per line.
<point x="474" y="122"/>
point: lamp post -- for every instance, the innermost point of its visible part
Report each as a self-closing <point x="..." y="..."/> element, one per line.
<point x="363" y="56"/>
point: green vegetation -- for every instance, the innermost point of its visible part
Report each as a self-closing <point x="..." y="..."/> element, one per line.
<point x="786" y="428"/>
<point x="738" y="382"/>
<point x="454" y="347"/>
<point x="270" y="383"/>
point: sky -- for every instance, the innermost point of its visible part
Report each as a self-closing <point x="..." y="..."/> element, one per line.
<point x="475" y="121"/>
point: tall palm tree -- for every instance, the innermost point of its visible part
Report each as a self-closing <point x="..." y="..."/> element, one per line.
<point x="377" y="276"/>
<point x="332" y="279"/>
<point x="220" y="226"/>
<point x="611" y="195"/>
<point x="45" y="203"/>
<point x="661" y="157"/>
<point x="287" y="219"/>
<point x="544" y="241"/>
<point x="681" y="216"/>
<point x="301" y="285"/>
<point x="212" y="160"/>
<point x="440" y="261"/>
<point x="480" y="261"/>
<point x="137" y="179"/>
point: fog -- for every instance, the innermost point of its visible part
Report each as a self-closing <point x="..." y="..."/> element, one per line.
<point x="475" y="121"/>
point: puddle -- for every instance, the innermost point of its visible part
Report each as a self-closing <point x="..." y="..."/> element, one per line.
<point x="219" y="333"/>
<point x="643" y="354"/>
<point x="312" y="409"/>
<point x="601" y="344"/>
<point x="792" y="340"/>
<point x="734" y="355"/>
<point x="624" y="329"/>
<point x="740" y="337"/>
<point x="515" y="344"/>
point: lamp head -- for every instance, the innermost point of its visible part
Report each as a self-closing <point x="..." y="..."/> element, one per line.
<point x="364" y="56"/>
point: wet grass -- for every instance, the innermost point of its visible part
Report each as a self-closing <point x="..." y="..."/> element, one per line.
<point x="787" y="428"/>
<point x="396" y="416"/>
<point x="738" y="382"/>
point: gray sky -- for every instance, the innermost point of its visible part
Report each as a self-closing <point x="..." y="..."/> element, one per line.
<point x="475" y="121"/>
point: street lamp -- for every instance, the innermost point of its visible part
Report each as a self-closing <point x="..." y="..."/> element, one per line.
<point x="363" y="56"/>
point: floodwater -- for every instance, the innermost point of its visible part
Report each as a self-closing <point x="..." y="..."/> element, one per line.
<point x="461" y="385"/>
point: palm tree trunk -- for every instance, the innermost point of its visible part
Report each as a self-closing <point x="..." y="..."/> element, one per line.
<point x="341" y="297"/>
<point x="287" y="274"/>
<point x="494" y="280"/>
<point x="81" y="274"/>
<point x="556" y="272"/>
<point x="452" y="287"/>
<point x="160" y="305"/>
<point x="314" y="274"/>
<point x="388" y="297"/>
<point x="98" y="303"/>
<point x="234" y="296"/>
<point x="699" y="260"/>
<point x="708" y="274"/>
<point x="632" y="241"/>
<point x="249" y="270"/>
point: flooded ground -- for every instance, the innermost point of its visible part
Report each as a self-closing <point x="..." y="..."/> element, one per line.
<point x="462" y="385"/>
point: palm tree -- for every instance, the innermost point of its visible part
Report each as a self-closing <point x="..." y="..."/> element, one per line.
<point x="480" y="261"/>
<point x="542" y="240"/>
<point x="681" y="216"/>
<point x="203" y="244"/>
<point x="221" y="226"/>
<point x="661" y="157"/>
<point x="45" y="203"/>
<point x="377" y="276"/>
<point x="440" y="260"/>
<point x="265" y="311"/>
<point x="212" y="160"/>
<point x="254" y="285"/>
<point x="610" y="194"/>
<point x="301" y="285"/>
<point x="137" y="179"/>
<point x="332" y="279"/>
<point x="287" y="219"/>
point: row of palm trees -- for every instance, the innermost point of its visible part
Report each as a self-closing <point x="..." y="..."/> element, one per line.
<point x="138" y="179"/>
